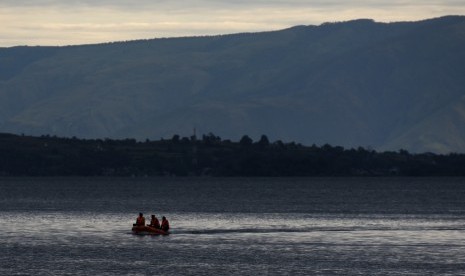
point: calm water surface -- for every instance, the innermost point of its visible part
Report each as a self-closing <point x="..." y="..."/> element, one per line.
<point x="296" y="226"/>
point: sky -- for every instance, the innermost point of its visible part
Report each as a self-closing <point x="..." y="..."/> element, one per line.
<point x="71" y="22"/>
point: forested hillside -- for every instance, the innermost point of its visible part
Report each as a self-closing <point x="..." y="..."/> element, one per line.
<point x="356" y="83"/>
<point x="210" y="156"/>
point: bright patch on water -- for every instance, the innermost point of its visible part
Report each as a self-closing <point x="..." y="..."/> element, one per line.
<point x="233" y="227"/>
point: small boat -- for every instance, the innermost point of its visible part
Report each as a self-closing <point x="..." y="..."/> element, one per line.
<point x="148" y="230"/>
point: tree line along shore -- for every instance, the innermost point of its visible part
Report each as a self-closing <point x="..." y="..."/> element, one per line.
<point x="210" y="155"/>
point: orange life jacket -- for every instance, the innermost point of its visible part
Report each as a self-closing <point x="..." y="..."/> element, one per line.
<point x="140" y="221"/>
<point x="155" y="223"/>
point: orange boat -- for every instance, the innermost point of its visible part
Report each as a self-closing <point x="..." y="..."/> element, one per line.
<point x="148" y="230"/>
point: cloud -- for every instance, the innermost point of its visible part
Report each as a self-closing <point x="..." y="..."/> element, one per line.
<point x="64" y="22"/>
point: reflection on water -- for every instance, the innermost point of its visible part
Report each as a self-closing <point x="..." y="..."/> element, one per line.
<point x="67" y="233"/>
<point x="60" y="243"/>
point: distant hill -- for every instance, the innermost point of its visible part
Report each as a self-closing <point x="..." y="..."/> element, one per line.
<point x="356" y="83"/>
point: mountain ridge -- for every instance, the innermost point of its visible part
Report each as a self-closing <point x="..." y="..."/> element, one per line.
<point x="357" y="83"/>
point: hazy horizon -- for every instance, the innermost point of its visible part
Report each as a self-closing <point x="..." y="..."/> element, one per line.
<point x="71" y="22"/>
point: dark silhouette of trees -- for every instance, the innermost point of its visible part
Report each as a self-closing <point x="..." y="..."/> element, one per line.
<point x="175" y="138"/>
<point x="52" y="156"/>
<point x="246" y="141"/>
<point x="264" y="142"/>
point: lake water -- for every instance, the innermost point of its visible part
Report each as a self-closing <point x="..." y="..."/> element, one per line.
<point x="239" y="226"/>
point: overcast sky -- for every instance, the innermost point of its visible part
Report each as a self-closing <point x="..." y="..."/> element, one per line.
<point x="66" y="22"/>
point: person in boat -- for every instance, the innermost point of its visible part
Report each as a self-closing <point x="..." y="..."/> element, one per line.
<point x="154" y="222"/>
<point x="165" y="225"/>
<point x="140" y="221"/>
